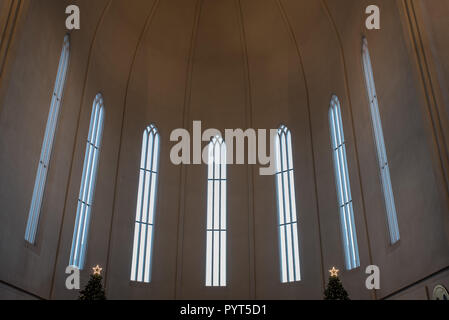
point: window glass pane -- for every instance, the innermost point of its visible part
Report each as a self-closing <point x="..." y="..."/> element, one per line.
<point x="146" y="207"/>
<point x="349" y="234"/>
<point x="380" y="145"/>
<point x="47" y="145"/>
<point x="285" y="188"/>
<point x="216" y="215"/>
<point x="87" y="188"/>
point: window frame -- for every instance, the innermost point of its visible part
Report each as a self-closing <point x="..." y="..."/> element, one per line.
<point x="383" y="163"/>
<point x="343" y="185"/>
<point x="288" y="222"/>
<point x="89" y="178"/>
<point x="141" y="267"/>
<point x="47" y="144"/>
<point x="216" y="224"/>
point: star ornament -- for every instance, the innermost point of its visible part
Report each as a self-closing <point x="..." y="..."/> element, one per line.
<point x="334" y="272"/>
<point x="97" y="270"/>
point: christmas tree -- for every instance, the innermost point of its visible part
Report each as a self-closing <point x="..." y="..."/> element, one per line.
<point x="94" y="288"/>
<point x="335" y="289"/>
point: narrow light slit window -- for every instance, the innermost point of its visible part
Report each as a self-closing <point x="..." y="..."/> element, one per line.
<point x="380" y="146"/>
<point x="216" y="214"/>
<point x="47" y="145"/>
<point x="88" y="182"/>
<point x="146" y="207"/>
<point x="344" y="196"/>
<point x="286" y="203"/>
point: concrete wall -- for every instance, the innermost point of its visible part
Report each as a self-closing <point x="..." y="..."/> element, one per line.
<point x="231" y="64"/>
<point x="434" y="21"/>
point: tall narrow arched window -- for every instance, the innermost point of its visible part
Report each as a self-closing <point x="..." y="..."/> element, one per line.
<point x="288" y="222"/>
<point x="216" y="214"/>
<point x="47" y="145"/>
<point x="88" y="182"/>
<point x="348" y="229"/>
<point x="380" y="145"/>
<point x="146" y="207"/>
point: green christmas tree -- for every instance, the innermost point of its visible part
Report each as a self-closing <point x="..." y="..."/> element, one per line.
<point x="94" y="289"/>
<point x="335" y="289"/>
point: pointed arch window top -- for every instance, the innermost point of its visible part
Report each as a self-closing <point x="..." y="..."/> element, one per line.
<point x="88" y="184"/>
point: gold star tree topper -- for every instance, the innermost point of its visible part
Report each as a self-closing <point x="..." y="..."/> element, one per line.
<point x="97" y="270"/>
<point x="334" y="272"/>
